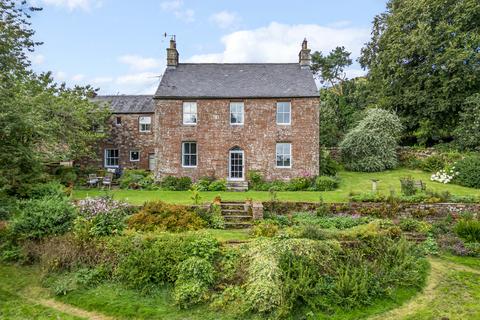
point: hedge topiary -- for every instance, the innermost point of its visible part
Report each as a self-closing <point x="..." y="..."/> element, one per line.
<point x="371" y="145"/>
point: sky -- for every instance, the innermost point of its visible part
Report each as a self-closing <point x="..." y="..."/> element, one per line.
<point x="119" y="45"/>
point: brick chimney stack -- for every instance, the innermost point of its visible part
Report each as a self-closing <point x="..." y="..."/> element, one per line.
<point x="304" y="56"/>
<point x="172" y="54"/>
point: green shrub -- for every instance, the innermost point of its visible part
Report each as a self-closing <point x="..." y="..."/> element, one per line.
<point x="195" y="275"/>
<point x="312" y="232"/>
<point x="167" y="217"/>
<point x="216" y="219"/>
<point x="368" y="197"/>
<point x="429" y="246"/>
<point x="467" y="132"/>
<point x="411" y="161"/>
<point x="468" y="172"/>
<point x="323" y="183"/>
<point x="255" y="179"/>
<point x="39" y="218"/>
<point x="299" y="184"/>
<point x="473" y="249"/>
<point x="433" y="163"/>
<point x="409" y="225"/>
<point x="104" y="224"/>
<point x="66" y="175"/>
<point x="265" y="228"/>
<point x="337" y="222"/>
<point x="203" y="183"/>
<point x="172" y="183"/>
<point x="218" y="185"/>
<point x="407" y="185"/>
<point x="371" y="145"/>
<point x="8" y="206"/>
<point x="136" y="179"/>
<point x="148" y="261"/>
<point x="327" y="166"/>
<point x="64" y="285"/>
<point x="468" y="229"/>
<point x="50" y="189"/>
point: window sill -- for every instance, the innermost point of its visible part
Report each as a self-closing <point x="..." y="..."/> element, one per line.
<point x="189" y="124"/>
<point x="277" y="167"/>
<point x="189" y="167"/>
<point x="284" y="124"/>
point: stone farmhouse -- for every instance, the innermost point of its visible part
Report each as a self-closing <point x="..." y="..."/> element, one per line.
<point x="219" y="120"/>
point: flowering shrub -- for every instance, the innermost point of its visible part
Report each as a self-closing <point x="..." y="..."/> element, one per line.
<point x="101" y="216"/>
<point x="92" y="207"/>
<point x="444" y="176"/>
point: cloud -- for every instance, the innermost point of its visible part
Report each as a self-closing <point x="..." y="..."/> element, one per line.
<point x="102" y="80"/>
<point x="137" y="78"/>
<point x="71" y="5"/>
<point x="187" y="15"/>
<point x="60" y="76"/>
<point x="171" y="5"/>
<point x="281" y="43"/>
<point x="37" y="59"/>
<point x="139" y="63"/>
<point x="225" y="19"/>
<point x="340" y="24"/>
<point x="78" y="77"/>
<point x="178" y="9"/>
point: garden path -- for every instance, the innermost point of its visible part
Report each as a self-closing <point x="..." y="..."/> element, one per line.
<point x="440" y="270"/>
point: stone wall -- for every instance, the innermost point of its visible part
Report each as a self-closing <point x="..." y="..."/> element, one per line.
<point x="215" y="136"/>
<point x="402" y="152"/>
<point x="427" y="210"/>
<point x="127" y="137"/>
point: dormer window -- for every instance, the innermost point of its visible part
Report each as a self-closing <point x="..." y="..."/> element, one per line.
<point x="284" y="113"/>
<point x="144" y="124"/>
<point x="190" y="113"/>
<point x="236" y="113"/>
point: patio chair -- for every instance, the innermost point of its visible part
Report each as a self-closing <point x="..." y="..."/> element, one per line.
<point x="107" y="180"/>
<point x="92" y="180"/>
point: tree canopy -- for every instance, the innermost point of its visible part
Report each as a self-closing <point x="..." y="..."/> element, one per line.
<point x="40" y="120"/>
<point x="424" y="62"/>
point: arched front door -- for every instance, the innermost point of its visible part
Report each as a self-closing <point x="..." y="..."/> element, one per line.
<point x="236" y="164"/>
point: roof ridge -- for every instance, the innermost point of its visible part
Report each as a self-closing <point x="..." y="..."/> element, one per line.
<point x="122" y="95"/>
<point x="238" y="63"/>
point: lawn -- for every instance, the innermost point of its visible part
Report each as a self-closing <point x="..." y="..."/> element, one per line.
<point x="350" y="182"/>
<point x="452" y="292"/>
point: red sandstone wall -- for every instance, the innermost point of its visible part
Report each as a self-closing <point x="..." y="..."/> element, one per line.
<point x="126" y="137"/>
<point x="257" y="137"/>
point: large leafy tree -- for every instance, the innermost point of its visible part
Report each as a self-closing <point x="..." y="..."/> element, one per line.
<point x="424" y="61"/>
<point x="40" y="120"/>
<point x="330" y="69"/>
<point x="342" y="100"/>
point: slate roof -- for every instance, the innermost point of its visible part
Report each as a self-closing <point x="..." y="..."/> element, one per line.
<point x="236" y="80"/>
<point x="128" y="103"/>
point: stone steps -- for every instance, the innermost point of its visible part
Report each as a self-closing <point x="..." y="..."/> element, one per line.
<point x="236" y="215"/>
<point x="237" y="186"/>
